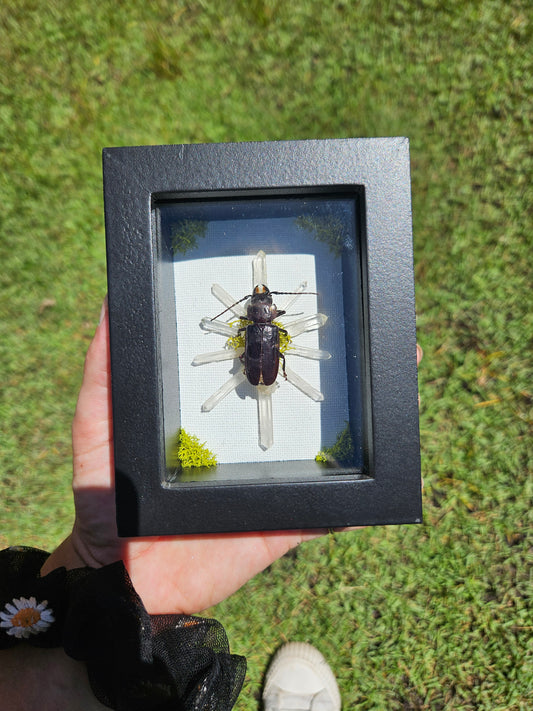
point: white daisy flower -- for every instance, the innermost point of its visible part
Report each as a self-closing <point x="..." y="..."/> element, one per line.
<point x="25" y="617"/>
<point x="234" y="349"/>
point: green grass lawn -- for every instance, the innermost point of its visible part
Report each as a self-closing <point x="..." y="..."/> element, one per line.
<point x="427" y="617"/>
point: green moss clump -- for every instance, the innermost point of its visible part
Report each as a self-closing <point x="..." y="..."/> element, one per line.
<point x="190" y="452"/>
<point x="330" y="229"/>
<point x="342" y="452"/>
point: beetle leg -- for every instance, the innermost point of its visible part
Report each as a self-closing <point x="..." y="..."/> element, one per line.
<point x="282" y="358"/>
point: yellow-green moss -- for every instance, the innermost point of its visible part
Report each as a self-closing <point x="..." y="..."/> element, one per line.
<point x="342" y="452"/>
<point x="190" y="452"/>
<point x="284" y="339"/>
<point x="237" y="341"/>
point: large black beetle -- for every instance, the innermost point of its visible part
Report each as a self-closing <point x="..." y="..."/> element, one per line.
<point x="261" y="343"/>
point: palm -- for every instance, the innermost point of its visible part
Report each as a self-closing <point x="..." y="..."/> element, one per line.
<point x="179" y="574"/>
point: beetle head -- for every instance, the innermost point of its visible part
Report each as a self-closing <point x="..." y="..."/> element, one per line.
<point x="260" y="309"/>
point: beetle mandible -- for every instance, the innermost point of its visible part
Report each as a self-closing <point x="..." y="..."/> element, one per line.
<point x="261" y="343"/>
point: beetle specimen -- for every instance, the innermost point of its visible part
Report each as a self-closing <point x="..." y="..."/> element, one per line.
<point x="261" y="345"/>
<point x="259" y="342"/>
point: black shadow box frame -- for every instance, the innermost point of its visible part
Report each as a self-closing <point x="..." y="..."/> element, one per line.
<point x="340" y="212"/>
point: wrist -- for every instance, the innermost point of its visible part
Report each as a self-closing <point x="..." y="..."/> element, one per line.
<point x="66" y="555"/>
<point x="73" y="553"/>
<point x="45" y="679"/>
<point x="95" y="615"/>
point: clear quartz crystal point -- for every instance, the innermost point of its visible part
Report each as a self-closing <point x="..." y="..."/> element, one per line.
<point x="216" y="356"/>
<point x="303" y="385"/>
<point x="311" y="353"/>
<point x="307" y="323"/>
<point x="259" y="269"/>
<point x="264" y="415"/>
<point x="227" y="299"/>
<point x="223" y="329"/>
<point x="221" y="393"/>
<point x="297" y="293"/>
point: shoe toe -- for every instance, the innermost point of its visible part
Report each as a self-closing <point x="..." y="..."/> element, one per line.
<point x="299" y="678"/>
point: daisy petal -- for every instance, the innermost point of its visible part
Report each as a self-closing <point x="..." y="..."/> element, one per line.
<point x="27" y="617"/>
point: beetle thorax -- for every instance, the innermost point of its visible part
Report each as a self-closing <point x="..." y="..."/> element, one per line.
<point x="261" y="309"/>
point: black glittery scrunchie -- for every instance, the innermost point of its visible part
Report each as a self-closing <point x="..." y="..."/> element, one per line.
<point x="135" y="661"/>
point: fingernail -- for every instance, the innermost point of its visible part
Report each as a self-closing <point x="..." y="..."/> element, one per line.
<point x="103" y="311"/>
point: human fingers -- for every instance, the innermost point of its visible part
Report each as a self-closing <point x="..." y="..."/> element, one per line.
<point x="419" y="354"/>
<point x="92" y="425"/>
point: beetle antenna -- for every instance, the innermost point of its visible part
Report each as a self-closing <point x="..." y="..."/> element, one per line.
<point x="230" y="307"/>
<point x="315" y="293"/>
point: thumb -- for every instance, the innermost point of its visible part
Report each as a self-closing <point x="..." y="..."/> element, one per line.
<point x="92" y="425"/>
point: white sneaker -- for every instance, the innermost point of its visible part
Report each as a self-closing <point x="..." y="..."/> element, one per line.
<point x="299" y="679"/>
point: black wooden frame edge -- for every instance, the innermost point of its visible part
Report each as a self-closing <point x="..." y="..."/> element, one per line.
<point x="381" y="167"/>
